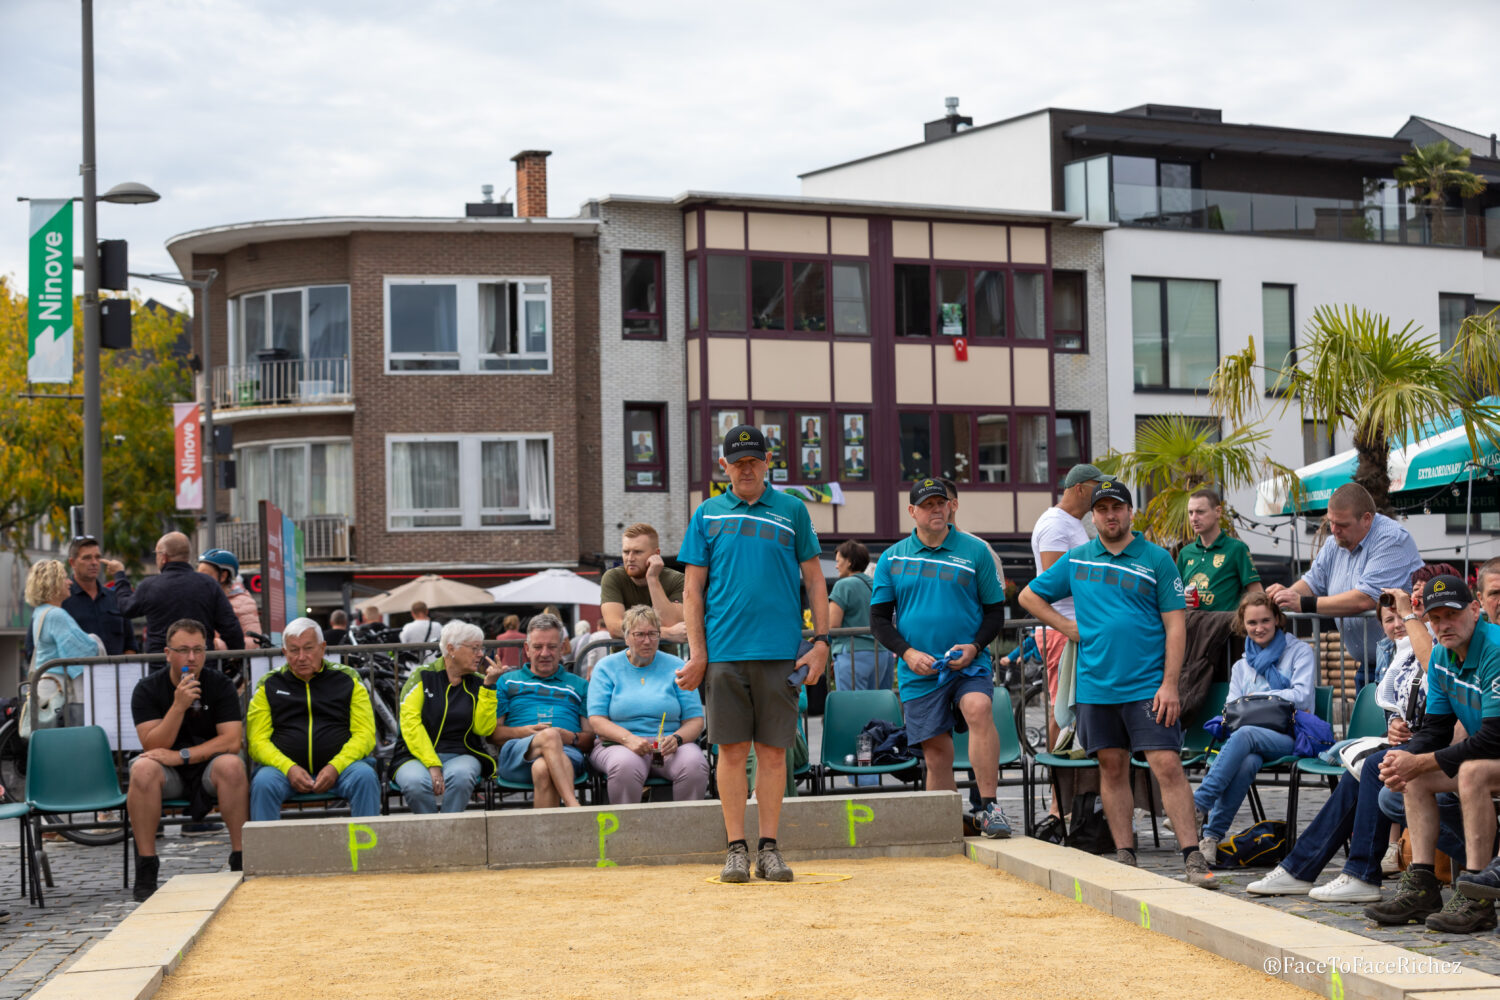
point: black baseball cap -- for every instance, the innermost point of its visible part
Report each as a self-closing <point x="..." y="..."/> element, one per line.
<point x="924" y="488"/>
<point x="1446" y="592"/>
<point x="1111" y="488"/>
<point x="744" y="441"/>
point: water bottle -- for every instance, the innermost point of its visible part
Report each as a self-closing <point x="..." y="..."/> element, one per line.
<point x="197" y="702"/>
<point x="864" y="750"/>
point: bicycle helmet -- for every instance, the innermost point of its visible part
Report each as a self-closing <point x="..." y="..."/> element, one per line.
<point x="222" y="558"/>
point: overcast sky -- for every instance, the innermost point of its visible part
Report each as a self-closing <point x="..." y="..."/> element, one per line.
<point x="240" y="110"/>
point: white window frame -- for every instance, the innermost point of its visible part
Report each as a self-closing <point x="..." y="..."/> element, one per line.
<point x="469" y="472"/>
<point x="237" y="353"/>
<point x="268" y="445"/>
<point x="466" y="320"/>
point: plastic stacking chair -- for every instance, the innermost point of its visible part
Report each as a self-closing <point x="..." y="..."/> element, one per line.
<point x="1195" y="742"/>
<point x="845" y="713"/>
<point x="72" y="770"/>
<point x="1366" y="718"/>
<point x="22" y="811"/>
<point x="1010" y="740"/>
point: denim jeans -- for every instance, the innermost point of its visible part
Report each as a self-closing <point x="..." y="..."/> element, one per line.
<point x="1224" y="787"/>
<point x="356" y="785"/>
<point x="460" y="775"/>
<point x="1450" y="839"/>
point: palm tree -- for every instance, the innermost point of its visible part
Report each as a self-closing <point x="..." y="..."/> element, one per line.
<point x="1175" y="455"/>
<point x="1431" y="171"/>
<point x="1354" y="374"/>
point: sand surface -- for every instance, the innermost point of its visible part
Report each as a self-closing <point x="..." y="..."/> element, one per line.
<point x="909" y="928"/>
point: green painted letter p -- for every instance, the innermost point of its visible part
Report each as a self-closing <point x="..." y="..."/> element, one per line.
<point x="608" y="824"/>
<point x="356" y="845"/>
<point x="857" y="814"/>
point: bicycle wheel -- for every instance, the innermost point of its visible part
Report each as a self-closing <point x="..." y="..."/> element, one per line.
<point x="88" y="836"/>
<point x="1031" y="718"/>
<point x="12" y="762"/>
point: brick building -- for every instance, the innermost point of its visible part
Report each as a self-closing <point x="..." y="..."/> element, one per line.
<point x="419" y="394"/>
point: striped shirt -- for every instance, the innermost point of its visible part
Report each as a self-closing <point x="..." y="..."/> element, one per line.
<point x="1386" y="557"/>
<point x="524" y="699"/>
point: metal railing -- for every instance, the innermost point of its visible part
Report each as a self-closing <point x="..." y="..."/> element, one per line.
<point x="327" y="537"/>
<point x="291" y="381"/>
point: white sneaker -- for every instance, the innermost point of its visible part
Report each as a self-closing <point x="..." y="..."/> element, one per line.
<point x="1279" y="883"/>
<point x="1346" y="889"/>
<point x="1391" y="863"/>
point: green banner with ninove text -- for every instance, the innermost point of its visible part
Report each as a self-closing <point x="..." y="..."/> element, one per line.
<point x="49" y="306"/>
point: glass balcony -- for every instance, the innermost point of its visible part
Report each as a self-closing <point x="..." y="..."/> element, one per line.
<point x="282" y="382"/>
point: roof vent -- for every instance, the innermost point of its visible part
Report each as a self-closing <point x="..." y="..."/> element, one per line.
<point x="489" y="207"/>
<point x="950" y="124"/>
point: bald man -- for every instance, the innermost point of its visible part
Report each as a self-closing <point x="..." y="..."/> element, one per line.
<point x="178" y="591"/>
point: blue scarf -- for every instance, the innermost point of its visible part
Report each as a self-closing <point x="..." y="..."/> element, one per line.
<point x="1264" y="660"/>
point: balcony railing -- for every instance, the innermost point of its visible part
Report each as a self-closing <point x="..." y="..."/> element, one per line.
<point x="328" y="537"/>
<point x="292" y="381"/>
<point x="1301" y="216"/>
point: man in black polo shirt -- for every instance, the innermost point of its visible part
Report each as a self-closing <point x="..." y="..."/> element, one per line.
<point x="188" y="721"/>
<point x="93" y="605"/>
<point x="178" y="591"/>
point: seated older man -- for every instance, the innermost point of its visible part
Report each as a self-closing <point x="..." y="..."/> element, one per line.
<point x="188" y="721"/>
<point x="539" y="723"/>
<point x="447" y="710"/>
<point x="311" y="728"/>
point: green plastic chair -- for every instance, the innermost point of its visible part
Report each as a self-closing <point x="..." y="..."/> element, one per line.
<point x="1366" y="718"/>
<point x="22" y="811"/>
<point x="1323" y="709"/>
<point x="1005" y="725"/>
<point x="845" y="713"/>
<point x="72" y="770"/>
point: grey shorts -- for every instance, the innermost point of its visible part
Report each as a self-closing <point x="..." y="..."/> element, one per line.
<point x="173" y="787"/>
<point x="750" y="700"/>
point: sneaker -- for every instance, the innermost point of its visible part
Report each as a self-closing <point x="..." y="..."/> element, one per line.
<point x="770" y="866"/>
<point x="992" y="822"/>
<point x="1417" y="897"/>
<point x="1480" y="885"/>
<point x="1199" y="816"/>
<point x="236" y="861"/>
<point x="4" y="916"/>
<point x="1279" y="882"/>
<point x="1125" y="857"/>
<point x="1463" y="915"/>
<point x="1210" y="848"/>
<point x="736" y="866"/>
<point x="1198" y="872"/>
<point x="146" y="870"/>
<point x="1346" y="889"/>
<point x="1390" y="864"/>
<point x="198" y="829"/>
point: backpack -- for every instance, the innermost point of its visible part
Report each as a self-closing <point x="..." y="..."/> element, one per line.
<point x="1262" y="845"/>
<point x="1088" y="830"/>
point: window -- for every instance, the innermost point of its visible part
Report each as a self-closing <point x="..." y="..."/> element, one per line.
<point x="645" y="446"/>
<point x="1175" y="331"/>
<point x="1317" y="441"/>
<point x="721" y="423"/>
<point x="953" y="302"/>
<point x="468" y="325"/>
<point x="1071" y="432"/>
<point x="767" y="295"/>
<point x="1033" y="464"/>
<point x="809" y="296"/>
<point x="971" y="447"/>
<point x="798" y="444"/>
<point x="424" y="474"/>
<point x="913" y="300"/>
<point x="780" y="442"/>
<point x="851" y="298"/>
<point x="1200" y="424"/>
<point x="994" y="448"/>
<point x="1031" y="306"/>
<point x="989" y="304"/>
<point x="692" y="294"/>
<point x="1279" y="331"/>
<point x="299" y="323"/>
<point x="695" y="448"/>
<point x="1452" y="311"/>
<point x="641" y="295"/>
<point x="302" y="478"/>
<point x="916" y="446"/>
<point x="1069" y="309"/>
<point x="726" y="293"/>
<point x="855" y="457"/>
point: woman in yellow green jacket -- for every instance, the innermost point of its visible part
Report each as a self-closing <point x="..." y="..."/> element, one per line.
<point x="446" y="712"/>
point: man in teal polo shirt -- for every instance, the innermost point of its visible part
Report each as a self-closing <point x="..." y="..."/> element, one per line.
<point x="940" y="586"/>
<point x="1463" y="687"/>
<point x="1131" y="633"/>
<point x="748" y="553"/>
<point x="1217" y="565"/>
<point x="541" y="728"/>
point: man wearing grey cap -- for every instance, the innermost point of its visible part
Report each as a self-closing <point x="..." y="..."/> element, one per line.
<point x="748" y="553"/>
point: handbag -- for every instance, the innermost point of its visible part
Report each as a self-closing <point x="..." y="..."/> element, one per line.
<point x="1264" y="710"/>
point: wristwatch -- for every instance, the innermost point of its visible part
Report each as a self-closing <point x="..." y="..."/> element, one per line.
<point x="821" y="638"/>
<point x="1411" y="617"/>
<point x="187" y="756"/>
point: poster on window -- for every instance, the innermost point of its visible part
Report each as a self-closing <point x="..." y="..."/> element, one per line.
<point x="812" y="463"/>
<point x="643" y="447"/>
<point x="953" y="319"/>
<point x="812" y="431"/>
<point x="854" y="428"/>
<point x="775" y="441"/>
<point x="854" y="462"/>
<point x="728" y="421"/>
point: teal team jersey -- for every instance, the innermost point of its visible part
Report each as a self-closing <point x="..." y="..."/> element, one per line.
<point x="1469" y="690"/>
<point x="939" y="593"/>
<point x="1119" y="600"/>
<point x="524" y="699"/>
<point x="753" y="553"/>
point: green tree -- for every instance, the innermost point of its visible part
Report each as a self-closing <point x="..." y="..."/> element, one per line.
<point x="41" y="440"/>
<point x="1352" y="373"/>
<point x="1175" y="455"/>
<point x="1430" y="172"/>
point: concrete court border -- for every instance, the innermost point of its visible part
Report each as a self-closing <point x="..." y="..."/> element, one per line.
<point x="1322" y="959"/>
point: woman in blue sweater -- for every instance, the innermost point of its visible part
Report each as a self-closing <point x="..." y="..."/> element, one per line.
<point x="633" y="697"/>
<point x="1276" y="664"/>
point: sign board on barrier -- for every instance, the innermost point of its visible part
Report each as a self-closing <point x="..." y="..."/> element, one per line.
<point x="106" y="701"/>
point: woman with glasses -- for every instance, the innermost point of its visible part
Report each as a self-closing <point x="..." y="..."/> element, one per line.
<point x="646" y="725"/>
<point x="447" y="710"/>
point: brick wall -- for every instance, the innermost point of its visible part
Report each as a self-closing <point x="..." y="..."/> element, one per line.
<point x="531" y="182"/>
<point x="1080" y="380"/>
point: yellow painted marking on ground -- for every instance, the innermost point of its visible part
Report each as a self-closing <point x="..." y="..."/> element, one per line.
<point x="805" y="878"/>
<point x="1145" y="915"/>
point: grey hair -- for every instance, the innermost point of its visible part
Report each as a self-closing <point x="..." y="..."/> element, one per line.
<point x="458" y="633"/>
<point x="544" y="622"/>
<point x="640" y="613"/>
<point x="297" y="626"/>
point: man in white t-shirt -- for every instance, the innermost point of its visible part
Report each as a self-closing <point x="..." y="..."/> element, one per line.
<point x="1058" y="530"/>
<point x="421" y="629"/>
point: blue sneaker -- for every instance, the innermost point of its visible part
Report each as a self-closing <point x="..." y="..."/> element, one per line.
<point x="992" y="823"/>
<point x="1480" y="885"/>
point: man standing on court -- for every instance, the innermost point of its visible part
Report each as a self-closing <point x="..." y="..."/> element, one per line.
<point x="1372" y="554"/>
<point x="748" y="552"/>
<point x="940" y="585"/>
<point x="1217" y="565"/>
<point x="1131" y="633"/>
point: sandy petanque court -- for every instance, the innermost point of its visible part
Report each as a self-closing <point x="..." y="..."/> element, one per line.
<point x="918" y="927"/>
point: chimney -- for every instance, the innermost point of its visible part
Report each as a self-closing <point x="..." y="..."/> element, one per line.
<point x="950" y="124"/>
<point x="531" y="182"/>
